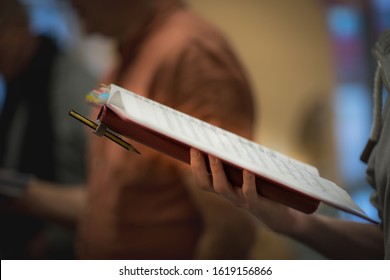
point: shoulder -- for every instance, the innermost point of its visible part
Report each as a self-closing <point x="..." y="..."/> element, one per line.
<point x="186" y="33"/>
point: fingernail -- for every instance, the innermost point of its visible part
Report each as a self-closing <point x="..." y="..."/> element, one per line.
<point x="194" y="152"/>
<point x="248" y="174"/>
<point x="213" y="159"/>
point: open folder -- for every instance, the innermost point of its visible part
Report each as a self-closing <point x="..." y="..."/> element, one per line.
<point x="278" y="177"/>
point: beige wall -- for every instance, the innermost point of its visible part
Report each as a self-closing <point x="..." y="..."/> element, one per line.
<point x="285" y="48"/>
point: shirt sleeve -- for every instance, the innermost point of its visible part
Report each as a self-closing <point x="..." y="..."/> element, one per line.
<point x="207" y="82"/>
<point x="370" y="178"/>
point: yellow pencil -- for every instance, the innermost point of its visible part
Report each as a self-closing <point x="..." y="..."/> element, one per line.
<point x="106" y="133"/>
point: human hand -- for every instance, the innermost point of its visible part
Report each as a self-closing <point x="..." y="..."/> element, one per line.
<point x="276" y="216"/>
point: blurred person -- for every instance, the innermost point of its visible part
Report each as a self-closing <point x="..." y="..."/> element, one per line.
<point x="42" y="83"/>
<point x="337" y="239"/>
<point x="181" y="222"/>
<point x="146" y="207"/>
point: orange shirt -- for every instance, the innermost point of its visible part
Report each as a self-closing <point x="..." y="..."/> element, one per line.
<point x="139" y="206"/>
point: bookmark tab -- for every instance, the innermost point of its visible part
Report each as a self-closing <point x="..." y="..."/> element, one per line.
<point x="98" y="96"/>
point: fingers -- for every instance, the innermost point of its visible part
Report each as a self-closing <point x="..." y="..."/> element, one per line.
<point x="249" y="184"/>
<point x="249" y="187"/>
<point x="222" y="185"/>
<point x="220" y="182"/>
<point x="199" y="170"/>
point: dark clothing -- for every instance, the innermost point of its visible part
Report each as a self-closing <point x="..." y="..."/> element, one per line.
<point x="30" y="93"/>
<point x="39" y="138"/>
<point x="378" y="175"/>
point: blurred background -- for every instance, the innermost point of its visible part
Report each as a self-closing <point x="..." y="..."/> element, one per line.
<point x="311" y="68"/>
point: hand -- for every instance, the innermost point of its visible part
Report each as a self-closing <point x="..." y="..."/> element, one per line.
<point x="276" y="216"/>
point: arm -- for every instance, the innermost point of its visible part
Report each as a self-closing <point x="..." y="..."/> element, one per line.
<point x="339" y="239"/>
<point x="331" y="237"/>
<point x="63" y="204"/>
<point x="24" y="194"/>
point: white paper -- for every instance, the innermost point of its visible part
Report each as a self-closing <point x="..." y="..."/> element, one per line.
<point x="231" y="148"/>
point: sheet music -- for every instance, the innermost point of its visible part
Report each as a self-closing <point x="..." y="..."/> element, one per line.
<point x="231" y="148"/>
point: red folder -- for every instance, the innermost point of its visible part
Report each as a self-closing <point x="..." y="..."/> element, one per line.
<point x="275" y="191"/>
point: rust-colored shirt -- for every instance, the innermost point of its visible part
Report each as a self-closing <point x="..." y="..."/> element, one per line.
<point x="138" y="206"/>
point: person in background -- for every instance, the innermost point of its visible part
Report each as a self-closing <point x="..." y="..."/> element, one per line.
<point x="146" y="207"/>
<point x="42" y="83"/>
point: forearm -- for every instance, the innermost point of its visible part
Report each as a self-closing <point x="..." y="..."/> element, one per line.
<point x="339" y="239"/>
<point x="63" y="204"/>
<point x="336" y="239"/>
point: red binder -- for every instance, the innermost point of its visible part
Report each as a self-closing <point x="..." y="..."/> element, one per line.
<point x="120" y="124"/>
<point x="278" y="177"/>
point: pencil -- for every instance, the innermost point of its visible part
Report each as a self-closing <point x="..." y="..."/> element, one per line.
<point x="106" y="133"/>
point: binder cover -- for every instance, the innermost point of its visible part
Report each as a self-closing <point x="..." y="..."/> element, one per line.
<point x="278" y="177"/>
